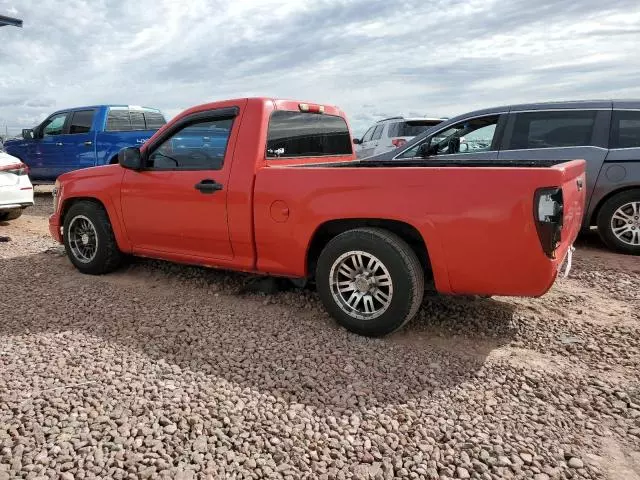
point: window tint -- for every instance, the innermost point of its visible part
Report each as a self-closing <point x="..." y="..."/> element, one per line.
<point x="123" y="120"/>
<point x="154" y="120"/>
<point x="394" y="129"/>
<point x="411" y="128"/>
<point x="81" y="121"/>
<point x="468" y="136"/>
<point x="294" y="134"/>
<point x="367" y="136"/>
<point x="137" y="120"/>
<point x="377" y="133"/>
<point x="118" y="120"/>
<point x="552" y="129"/>
<point x="625" y="129"/>
<point x="414" y="128"/>
<point x="200" y="146"/>
<point x="55" y="125"/>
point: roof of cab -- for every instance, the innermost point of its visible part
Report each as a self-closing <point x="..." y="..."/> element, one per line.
<point x="278" y="103"/>
<point x="90" y="107"/>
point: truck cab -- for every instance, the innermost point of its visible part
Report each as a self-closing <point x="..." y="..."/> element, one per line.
<point x="82" y="137"/>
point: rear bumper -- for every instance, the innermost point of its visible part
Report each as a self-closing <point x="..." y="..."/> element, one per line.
<point x="16" y="196"/>
<point x="54" y="227"/>
<point x="14" y="206"/>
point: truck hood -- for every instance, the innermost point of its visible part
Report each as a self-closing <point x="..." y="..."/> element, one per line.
<point x="6" y="159"/>
<point x="10" y="142"/>
<point x="91" y="172"/>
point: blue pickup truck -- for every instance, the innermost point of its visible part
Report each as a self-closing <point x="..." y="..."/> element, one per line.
<point x="82" y="137"/>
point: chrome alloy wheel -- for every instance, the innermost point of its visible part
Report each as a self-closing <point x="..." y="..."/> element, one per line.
<point x="625" y="223"/>
<point x="361" y="285"/>
<point x="83" y="239"/>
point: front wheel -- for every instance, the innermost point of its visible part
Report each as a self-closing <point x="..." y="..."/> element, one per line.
<point x="89" y="240"/>
<point x="370" y="281"/>
<point x="619" y="222"/>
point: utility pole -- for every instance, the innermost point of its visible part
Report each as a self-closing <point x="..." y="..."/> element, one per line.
<point x="10" y="22"/>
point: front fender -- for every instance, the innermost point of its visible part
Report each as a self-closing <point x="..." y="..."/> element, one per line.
<point x="99" y="184"/>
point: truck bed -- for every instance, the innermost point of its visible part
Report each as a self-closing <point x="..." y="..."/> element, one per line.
<point x="469" y="213"/>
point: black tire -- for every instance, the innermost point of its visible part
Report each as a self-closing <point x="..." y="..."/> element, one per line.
<point x="403" y="267"/>
<point x="605" y="217"/>
<point x="11" y="215"/>
<point x="107" y="256"/>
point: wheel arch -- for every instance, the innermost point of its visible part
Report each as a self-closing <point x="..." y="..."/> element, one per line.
<point x="68" y="202"/>
<point x="332" y="228"/>
<point x="118" y="229"/>
<point x="593" y="221"/>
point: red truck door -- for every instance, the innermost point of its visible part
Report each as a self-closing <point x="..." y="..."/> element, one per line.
<point x="177" y="205"/>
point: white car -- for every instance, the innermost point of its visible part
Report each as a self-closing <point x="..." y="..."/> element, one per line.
<point x="16" y="191"/>
<point x="391" y="133"/>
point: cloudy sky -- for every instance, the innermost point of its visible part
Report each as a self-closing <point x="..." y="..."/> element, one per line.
<point x="374" y="58"/>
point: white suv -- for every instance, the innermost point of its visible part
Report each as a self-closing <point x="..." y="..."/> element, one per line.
<point x="16" y="191"/>
<point x="391" y="133"/>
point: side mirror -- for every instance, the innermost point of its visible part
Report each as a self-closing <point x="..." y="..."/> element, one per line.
<point x="27" y="134"/>
<point x="357" y="141"/>
<point x="130" y="158"/>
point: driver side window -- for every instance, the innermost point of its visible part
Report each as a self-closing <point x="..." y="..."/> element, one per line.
<point x="469" y="136"/>
<point x="55" y="125"/>
<point x="198" y="146"/>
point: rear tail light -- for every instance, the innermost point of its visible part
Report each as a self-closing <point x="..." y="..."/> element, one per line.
<point x="548" y="213"/>
<point x="16" y="169"/>
<point x="398" y="142"/>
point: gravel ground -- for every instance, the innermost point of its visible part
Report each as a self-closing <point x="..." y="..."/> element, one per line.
<point x="165" y="371"/>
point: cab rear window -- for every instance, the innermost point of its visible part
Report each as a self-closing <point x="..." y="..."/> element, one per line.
<point x="300" y="134"/>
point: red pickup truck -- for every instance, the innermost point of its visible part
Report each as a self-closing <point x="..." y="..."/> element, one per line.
<point x="273" y="187"/>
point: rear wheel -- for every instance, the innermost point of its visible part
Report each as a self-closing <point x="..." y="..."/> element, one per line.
<point x="370" y="281"/>
<point x="11" y="215"/>
<point x="619" y="222"/>
<point x="89" y="240"/>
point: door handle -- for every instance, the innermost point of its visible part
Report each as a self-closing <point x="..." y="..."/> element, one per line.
<point x="59" y="144"/>
<point x="88" y="143"/>
<point x="208" y="186"/>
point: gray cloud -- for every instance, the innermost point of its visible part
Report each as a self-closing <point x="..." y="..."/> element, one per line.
<point x="374" y="58"/>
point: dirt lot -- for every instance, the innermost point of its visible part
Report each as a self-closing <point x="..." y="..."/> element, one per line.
<point x="164" y="371"/>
